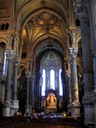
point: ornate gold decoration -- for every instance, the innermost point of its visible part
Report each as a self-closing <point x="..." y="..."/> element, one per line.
<point x="46" y="19"/>
<point x="51" y="100"/>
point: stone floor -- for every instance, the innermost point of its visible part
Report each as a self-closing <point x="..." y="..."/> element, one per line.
<point x="35" y="125"/>
<point x="53" y="123"/>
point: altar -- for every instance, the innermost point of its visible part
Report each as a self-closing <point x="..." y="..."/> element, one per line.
<point x="51" y="102"/>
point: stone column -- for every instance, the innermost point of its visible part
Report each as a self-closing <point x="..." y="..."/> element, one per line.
<point x="91" y="5"/>
<point x="81" y="10"/>
<point x="33" y="93"/>
<point x="14" y="102"/>
<point x="30" y="93"/>
<point x="9" y="54"/>
<point x="69" y="89"/>
<point x="75" y="103"/>
<point x="28" y="75"/>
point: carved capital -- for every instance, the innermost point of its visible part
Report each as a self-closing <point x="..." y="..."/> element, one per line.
<point x="10" y="54"/>
<point x="73" y="52"/>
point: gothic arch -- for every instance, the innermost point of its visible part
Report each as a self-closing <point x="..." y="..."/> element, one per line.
<point x="34" y="5"/>
<point x="4" y="40"/>
<point x="50" y="40"/>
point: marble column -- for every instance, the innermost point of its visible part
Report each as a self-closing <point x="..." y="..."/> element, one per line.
<point x="91" y="8"/>
<point x="30" y="94"/>
<point x="69" y="88"/>
<point x="28" y="75"/>
<point x="81" y="9"/>
<point x="33" y="92"/>
<point x="15" y="102"/>
<point x="75" y="103"/>
<point x="9" y="55"/>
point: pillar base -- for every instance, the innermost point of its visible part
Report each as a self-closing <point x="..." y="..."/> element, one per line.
<point x="89" y="115"/>
<point x="95" y="113"/>
<point x="7" y="107"/>
<point x="94" y="101"/>
<point x="75" y="110"/>
<point x="14" y="107"/>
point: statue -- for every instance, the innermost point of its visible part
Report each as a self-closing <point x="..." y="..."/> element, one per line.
<point x="73" y="38"/>
<point x="51" y="101"/>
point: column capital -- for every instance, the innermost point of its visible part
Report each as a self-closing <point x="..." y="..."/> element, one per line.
<point x="10" y="54"/>
<point x="81" y="8"/>
<point x="73" y="52"/>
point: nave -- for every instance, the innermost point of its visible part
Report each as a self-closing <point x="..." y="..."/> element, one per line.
<point x="48" y="58"/>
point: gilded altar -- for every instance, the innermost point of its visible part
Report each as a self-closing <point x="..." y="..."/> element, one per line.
<point x="51" y="102"/>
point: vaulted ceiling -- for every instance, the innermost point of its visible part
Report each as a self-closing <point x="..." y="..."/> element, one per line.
<point x="43" y="24"/>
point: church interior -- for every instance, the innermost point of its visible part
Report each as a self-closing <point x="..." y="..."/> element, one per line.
<point x="48" y="58"/>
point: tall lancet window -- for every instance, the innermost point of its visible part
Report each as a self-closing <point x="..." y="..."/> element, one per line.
<point x="43" y="82"/>
<point x="52" y="79"/>
<point x="60" y="83"/>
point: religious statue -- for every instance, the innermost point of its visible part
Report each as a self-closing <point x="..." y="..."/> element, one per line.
<point x="51" y="101"/>
<point x="73" y="38"/>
